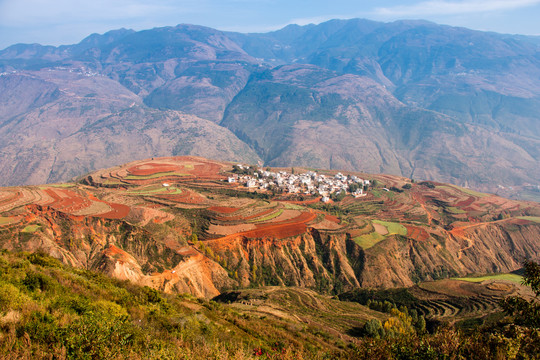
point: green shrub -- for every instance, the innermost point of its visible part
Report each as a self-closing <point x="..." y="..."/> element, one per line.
<point x="11" y="297"/>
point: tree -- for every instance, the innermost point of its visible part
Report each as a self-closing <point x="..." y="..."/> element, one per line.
<point x="526" y="312"/>
<point x="373" y="328"/>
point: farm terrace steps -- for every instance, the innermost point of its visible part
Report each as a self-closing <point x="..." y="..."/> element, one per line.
<point x="167" y="212"/>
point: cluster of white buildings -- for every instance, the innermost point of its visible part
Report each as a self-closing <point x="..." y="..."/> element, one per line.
<point x="309" y="183"/>
<point x="80" y="71"/>
<point x="8" y="73"/>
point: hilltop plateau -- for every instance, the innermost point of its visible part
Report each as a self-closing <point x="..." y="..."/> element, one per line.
<point x="188" y="224"/>
<point x="409" y="98"/>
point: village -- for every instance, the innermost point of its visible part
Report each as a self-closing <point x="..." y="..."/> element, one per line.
<point x="309" y="183"/>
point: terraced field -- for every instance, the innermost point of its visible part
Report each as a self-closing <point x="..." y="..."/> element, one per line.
<point x="187" y="206"/>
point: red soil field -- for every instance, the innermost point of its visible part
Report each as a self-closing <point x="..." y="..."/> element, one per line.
<point x="306" y="202"/>
<point x="521" y="221"/>
<point x="152" y="168"/>
<point x="223" y="209"/>
<point x="66" y="200"/>
<point x="282" y="230"/>
<point x="417" y="233"/>
<point x="466" y="203"/>
<point x="187" y="197"/>
<point x="207" y="170"/>
<point x="119" y="211"/>
<point x="332" y="218"/>
<point x="10" y="197"/>
<point x="244" y="218"/>
<point x="305" y="217"/>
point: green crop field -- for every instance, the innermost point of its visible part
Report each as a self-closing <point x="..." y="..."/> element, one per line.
<point x="156" y="190"/>
<point x="530" y="218"/>
<point x="455" y="210"/>
<point x="465" y="190"/>
<point x="66" y="185"/>
<point x="508" y="277"/>
<point x="293" y="206"/>
<point x="31" y="229"/>
<point x="5" y="220"/>
<point x="269" y="216"/>
<point x="392" y="227"/>
<point x="154" y="176"/>
<point x="369" y="240"/>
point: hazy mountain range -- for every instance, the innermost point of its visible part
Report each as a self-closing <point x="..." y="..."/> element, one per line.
<point x="409" y="98"/>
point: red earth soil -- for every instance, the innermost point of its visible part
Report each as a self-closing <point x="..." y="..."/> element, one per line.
<point x="207" y="170"/>
<point x="14" y="197"/>
<point x="244" y="218"/>
<point x="119" y="211"/>
<point x="332" y="218"/>
<point x="302" y="218"/>
<point x="69" y="203"/>
<point x="521" y="221"/>
<point x="223" y="209"/>
<point x="187" y="197"/>
<point x="466" y="203"/>
<point x="151" y="169"/>
<point x="282" y="230"/>
<point x="416" y="233"/>
<point x="306" y="202"/>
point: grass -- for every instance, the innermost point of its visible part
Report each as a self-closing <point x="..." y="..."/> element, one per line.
<point x="508" y="277"/>
<point x="156" y="190"/>
<point x="154" y="176"/>
<point x="455" y="210"/>
<point x="30" y="229"/>
<point x="113" y="182"/>
<point x="5" y="220"/>
<point x="269" y="216"/>
<point x="80" y="314"/>
<point x="369" y="240"/>
<point x="466" y="191"/>
<point x="392" y="227"/>
<point x="63" y="185"/>
<point x="293" y="206"/>
<point x="530" y="218"/>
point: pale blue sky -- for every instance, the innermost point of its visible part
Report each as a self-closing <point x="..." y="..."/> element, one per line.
<point x="55" y="22"/>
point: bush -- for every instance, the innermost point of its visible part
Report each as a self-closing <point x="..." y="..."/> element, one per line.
<point x="37" y="281"/>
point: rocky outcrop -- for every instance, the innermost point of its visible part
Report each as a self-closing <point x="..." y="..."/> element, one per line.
<point x="159" y="256"/>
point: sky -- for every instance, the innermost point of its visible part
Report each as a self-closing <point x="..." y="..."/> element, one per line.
<point x="57" y="22"/>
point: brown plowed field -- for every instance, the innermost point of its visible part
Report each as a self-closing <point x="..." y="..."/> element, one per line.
<point x="417" y="233"/>
<point x="119" y="211"/>
<point x="466" y="203"/>
<point x="332" y="218"/>
<point x="187" y="197"/>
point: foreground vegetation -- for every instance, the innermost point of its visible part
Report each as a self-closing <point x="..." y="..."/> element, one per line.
<point x="49" y="310"/>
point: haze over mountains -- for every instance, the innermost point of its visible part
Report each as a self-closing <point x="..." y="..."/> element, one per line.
<point x="409" y="98"/>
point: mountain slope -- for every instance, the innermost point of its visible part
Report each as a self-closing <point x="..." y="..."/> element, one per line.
<point x="409" y="97"/>
<point x="80" y="123"/>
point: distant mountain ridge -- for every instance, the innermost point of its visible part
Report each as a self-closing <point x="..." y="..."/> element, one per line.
<point x="411" y="98"/>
